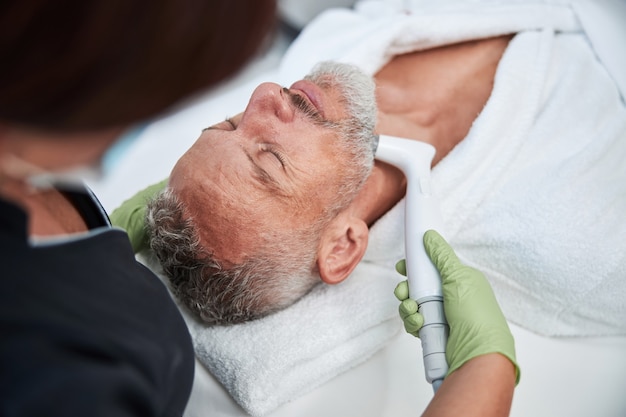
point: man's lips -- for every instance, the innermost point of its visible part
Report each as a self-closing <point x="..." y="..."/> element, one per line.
<point x="312" y="93"/>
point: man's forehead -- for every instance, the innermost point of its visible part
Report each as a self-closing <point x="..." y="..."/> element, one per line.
<point x="221" y="224"/>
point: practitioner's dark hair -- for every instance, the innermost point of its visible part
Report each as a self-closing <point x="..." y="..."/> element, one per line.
<point x="90" y="64"/>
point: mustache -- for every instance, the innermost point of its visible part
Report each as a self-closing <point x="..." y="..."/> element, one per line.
<point x="307" y="109"/>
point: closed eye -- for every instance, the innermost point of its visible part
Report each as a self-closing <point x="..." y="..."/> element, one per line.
<point x="266" y="147"/>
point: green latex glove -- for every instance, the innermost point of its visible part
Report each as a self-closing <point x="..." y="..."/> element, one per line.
<point x="477" y="325"/>
<point x="130" y="216"/>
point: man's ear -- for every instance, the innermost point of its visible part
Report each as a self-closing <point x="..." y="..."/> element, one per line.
<point x="342" y="246"/>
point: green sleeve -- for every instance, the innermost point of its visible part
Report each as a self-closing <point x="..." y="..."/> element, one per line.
<point x="130" y="216"/>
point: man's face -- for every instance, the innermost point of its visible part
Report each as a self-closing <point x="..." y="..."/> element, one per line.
<point x="266" y="171"/>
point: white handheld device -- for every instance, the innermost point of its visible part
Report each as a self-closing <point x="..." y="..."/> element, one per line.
<point x="422" y="213"/>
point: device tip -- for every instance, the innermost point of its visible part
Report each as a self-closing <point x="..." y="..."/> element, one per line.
<point x="375" y="143"/>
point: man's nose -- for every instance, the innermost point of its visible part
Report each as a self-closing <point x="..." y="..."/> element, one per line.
<point x="270" y="99"/>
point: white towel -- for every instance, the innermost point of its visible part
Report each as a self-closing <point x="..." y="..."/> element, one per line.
<point x="267" y="362"/>
<point x="535" y="196"/>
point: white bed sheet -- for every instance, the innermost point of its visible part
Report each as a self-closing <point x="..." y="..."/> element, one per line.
<point x="560" y="377"/>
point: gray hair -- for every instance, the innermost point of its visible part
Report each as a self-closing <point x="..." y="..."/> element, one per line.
<point x="278" y="275"/>
<point x="358" y="141"/>
<point x="283" y="268"/>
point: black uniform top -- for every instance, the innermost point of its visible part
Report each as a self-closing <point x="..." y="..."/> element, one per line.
<point x="85" y="330"/>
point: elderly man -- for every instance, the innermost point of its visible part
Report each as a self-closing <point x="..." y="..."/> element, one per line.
<point x="261" y="195"/>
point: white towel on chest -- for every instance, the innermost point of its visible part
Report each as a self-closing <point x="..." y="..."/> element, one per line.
<point x="535" y="196"/>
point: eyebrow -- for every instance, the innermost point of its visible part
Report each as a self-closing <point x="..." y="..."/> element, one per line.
<point x="214" y="126"/>
<point x="264" y="177"/>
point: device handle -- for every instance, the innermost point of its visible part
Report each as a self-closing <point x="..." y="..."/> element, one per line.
<point x="422" y="213"/>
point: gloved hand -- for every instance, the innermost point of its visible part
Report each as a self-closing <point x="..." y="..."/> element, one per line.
<point x="477" y="325"/>
<point x="130" y="216"/>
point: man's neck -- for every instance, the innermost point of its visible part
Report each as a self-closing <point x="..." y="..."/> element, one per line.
<point x="433" y="96"/>
<point x="385" y="187"/>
